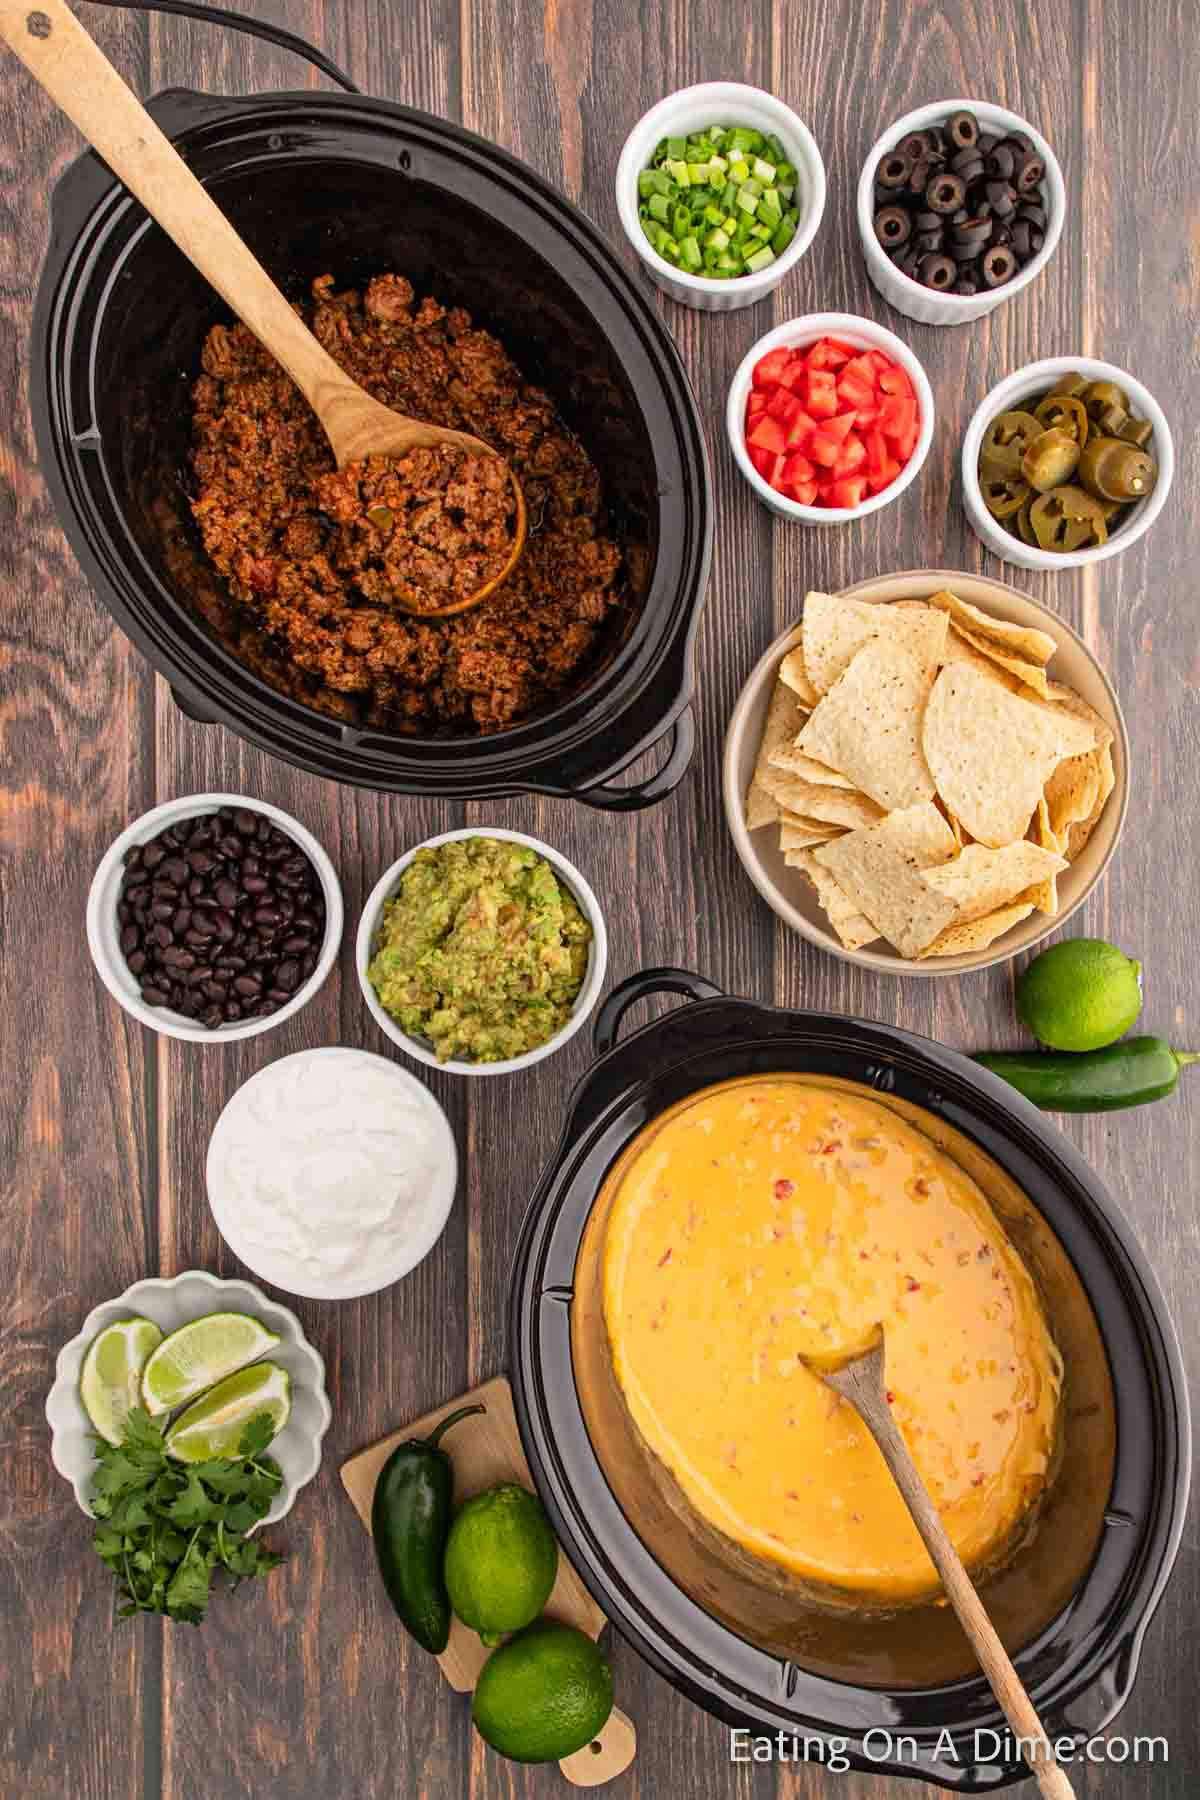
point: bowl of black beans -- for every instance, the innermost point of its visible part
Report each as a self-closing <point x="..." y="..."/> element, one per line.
<point x="214" y="917"/>
<point x="960" y="206"/>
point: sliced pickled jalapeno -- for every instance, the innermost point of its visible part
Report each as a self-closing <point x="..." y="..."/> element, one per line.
<point x="1070" y="384"/>
<point x="1051" y="459"/>
<point x="1112" y="469"/>
<point x="1100" y="396"/>
<point x="1005" y="442"/>
<point x="1068" y="518"/>
<point x="1137" y="431"/>
<point x="1025" y="519"/>
<point x="1004" y="495"/>
<point x="1063" y="412"/>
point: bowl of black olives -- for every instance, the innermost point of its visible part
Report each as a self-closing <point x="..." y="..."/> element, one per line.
<point x="960" y="206"/>
<point x="1067" y="462"/>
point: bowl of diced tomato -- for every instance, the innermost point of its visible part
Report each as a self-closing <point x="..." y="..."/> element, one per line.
<point x="829" y="417"/>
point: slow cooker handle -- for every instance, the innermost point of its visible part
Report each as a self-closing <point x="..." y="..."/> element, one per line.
<point x="627" y="993"/>
<point x="609" y="798"/>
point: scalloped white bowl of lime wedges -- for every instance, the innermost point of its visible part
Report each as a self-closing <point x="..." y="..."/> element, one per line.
<point x="202" y="1357"/>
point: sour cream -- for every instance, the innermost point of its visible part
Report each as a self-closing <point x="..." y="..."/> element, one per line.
<point x="331" y="1173"/>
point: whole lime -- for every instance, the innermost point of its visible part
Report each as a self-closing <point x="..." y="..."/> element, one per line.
<point x="1080" y="995"/>
<point x="501" y="1560"/>
<point x="544" y="1695"/>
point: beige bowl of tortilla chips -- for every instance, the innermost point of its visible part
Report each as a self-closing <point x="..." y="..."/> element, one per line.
<point x="927" y="774"/>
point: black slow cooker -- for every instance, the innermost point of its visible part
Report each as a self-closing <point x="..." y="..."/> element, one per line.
<point x="328" y="183"/>
<point x="1075" y="1602"/>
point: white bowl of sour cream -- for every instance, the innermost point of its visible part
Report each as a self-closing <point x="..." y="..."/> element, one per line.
<point x="331" y="1173"/>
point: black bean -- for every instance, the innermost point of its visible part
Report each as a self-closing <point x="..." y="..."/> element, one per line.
<point x="154" y="996"/>
<point x="130" y="939"/>
<point x="211" y="1016"/>
<point x="279" y="995"/>
<point x="287" y="975"/>
<point x="181" y="918"/>
<point x="264" y="1009"/>
<point x="175" y="869"/>
<point x="162" y="936"/>
<point x="138" y="894"/>
<point x="267" y="915"/>
<point x="298" y="941"/>
<point x="177" y="957"/>
<point x="250" y="865"/>
<point x="203" y="924"/>
<point x="245" y="821"/>
<point x="226" y="893"/>
<point x="231" y="845"/>
<point x="223" y="925"/>
<point x="255" y="884"/>
<point x="247" y="985"/>
<point x="151" y="855"/>
<point x="265" y="829"/>
<point x="308" y="964"/>
<point x="190" y="1006"/>
<point x="136" y="961"/>
<point x="200" y="862"/>
<point x="230" y="964"/>
<point x="232" y="1010"/>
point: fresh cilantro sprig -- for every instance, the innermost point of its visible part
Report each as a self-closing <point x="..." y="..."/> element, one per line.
<point x="164" y="1527"/>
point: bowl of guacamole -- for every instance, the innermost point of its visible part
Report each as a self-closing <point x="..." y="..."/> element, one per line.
<point x="481" y="952"/>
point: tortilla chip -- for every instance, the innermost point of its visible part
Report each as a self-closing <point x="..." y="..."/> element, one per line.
<point x="1031" y="674"/>
<point x="880" y="870"/>
<point x="794" y="762"/>
<point x="841" y="806"/>
<point x="793" y="674"/>
<point x="979" y="880"/>
<point x="869" y="726"/>
<point x="1025" y="640"/>
<point x="760" y="808"/>
<point x="1078" y="835"/>
<point x="958" y="650"/>
<point x="977" y="934"/>
<point x="1074" y="788"/>
<point x="796" y="833"/>
<point x="1044" y="894"/>
<point x="835" y="630"/>
<point x="991" y="752"/>
<point x="851" y="926"/>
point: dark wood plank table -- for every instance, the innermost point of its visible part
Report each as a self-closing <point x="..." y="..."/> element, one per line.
<point x="309" y="1689"/>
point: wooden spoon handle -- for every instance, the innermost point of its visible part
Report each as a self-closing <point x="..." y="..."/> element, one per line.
<point x="960" y="1590"/>
<point x="76" y="74"/>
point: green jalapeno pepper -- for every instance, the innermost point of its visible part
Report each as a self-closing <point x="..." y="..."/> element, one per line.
<point x="1065" y="413"/>
<point x="1004" y="495"/>
<point x="410" y="1522"/>
<point x="1005" y="441"/>
<point x="1127" y="1073"/>
<point x="1067" y="518"/>
<point x="1112" y="469"/>
<point x="1050" y="460"/>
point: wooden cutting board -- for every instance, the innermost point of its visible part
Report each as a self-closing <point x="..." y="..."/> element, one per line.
<point x="485" y="1450"/>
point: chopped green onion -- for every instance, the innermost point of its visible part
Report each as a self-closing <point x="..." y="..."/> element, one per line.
<point x="721" y="201"/>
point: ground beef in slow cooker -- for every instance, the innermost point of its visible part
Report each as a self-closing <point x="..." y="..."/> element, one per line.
<point x="262" y="465"/>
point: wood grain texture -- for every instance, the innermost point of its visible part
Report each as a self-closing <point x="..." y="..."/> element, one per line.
<point x="309" y="1688"/>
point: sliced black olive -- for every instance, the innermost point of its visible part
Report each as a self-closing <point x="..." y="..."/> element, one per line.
<point x="997" y="265"/>
<point x="1019" y="141"/>
<point x="917" y="146"/>
<point x="927" y="221"/>
<point x="1001" y="199"/>
<point x="1030" y="209"/>
<point x="988" y="141"/>
<point x="893" y="171"/>
<point x="938" y="271"/>
<point x="893" y="226"/>
<point x="1001" y="162"/>
<point x="961" y="216"/>
<point x="1022" y="240"/>
<point x="1001" y="234"/>
<point x="962" y="128"/>
<point x="968" y="164"/>
<point x="945" y="194"/>
<point x="966" y="284"/>
<point x="920" y="175"/>
<point x="928" y="241"/>
<point x="1030" y="175"/>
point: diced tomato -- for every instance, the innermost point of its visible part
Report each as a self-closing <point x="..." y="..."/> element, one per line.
<point x="850" y="491"/>
<point x="797" y="468"/>
<point x="855" y="394"/>
<point x="877" y="450"/>
<point x="827" y="353"/>
<point x="778" y="465"/>
<point x="769" y="368"/>
<point x="866" y="417"/>
<point x="854" y="455"/>
<point x="767" y="434"/>
<point x="879" y="361"/>
<point x="783" y="404"/>
<point x="897" y="415"/>
<point x="862" y="368"/>
<point x="820" y="394"/>
<point x="800" y="430"/>
<point x="841" y="425"/>
<point x="757" y="402"/>
<point x="894" y="380"/>
<point x="763" y="461"/>
<point x="824" y="449"/>
<point x="885" y="475"/>
<point x="795" y="371"/>
<point x="803" y="492"/>
<point x="904" y="446"/>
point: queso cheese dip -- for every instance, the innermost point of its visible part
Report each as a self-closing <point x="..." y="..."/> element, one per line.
<point x="770" y="1217"/>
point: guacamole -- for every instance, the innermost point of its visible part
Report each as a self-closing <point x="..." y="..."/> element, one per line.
<point x="482" y="950"/>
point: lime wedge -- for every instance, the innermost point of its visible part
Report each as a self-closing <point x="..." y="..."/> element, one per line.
<point x="110" y="1381"/>
<point x="199" y="1354"/>
<point x="214" y="1424"/>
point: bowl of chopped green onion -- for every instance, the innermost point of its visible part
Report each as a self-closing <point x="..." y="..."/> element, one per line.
<point x="720" y="190"/>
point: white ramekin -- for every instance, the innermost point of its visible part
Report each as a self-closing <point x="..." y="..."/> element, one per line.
<point x="586" y="999"/>
<point x="103" y="930"/>
<point x="926" y="304"/>
<point x="688" y="110"/>
<point x="864" y="334"/>
<point x="170" y="1303"/>
<point x="382" y="1273"/>
<point x="1035" y="378"/>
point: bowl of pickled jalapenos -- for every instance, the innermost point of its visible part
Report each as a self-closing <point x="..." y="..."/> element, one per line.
<point x="1067" y="462"/>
